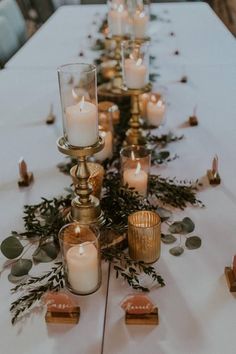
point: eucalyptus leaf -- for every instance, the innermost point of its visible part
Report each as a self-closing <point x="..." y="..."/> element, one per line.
<point x="21" y="267"/>
<point x="168" y="238"/>
<point x="13" y="279"/>
<point x="46" y="252"/>
<point x="11" y="247"/>
<point x="176" y="227"/>
<point x="164" y="154"/>
<point x="176" y="251"/>
<point x="188" y="225"/>
<point x="193" y="242"/>
<point x="164" y="213"/>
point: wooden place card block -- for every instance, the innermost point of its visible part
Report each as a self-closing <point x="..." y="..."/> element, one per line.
<point x="231" y="279"/>
<point x="68" y="317"/>
<point x="142" y="319"/>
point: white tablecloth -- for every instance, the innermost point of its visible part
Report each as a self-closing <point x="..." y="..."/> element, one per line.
<point x="197" y="312"/>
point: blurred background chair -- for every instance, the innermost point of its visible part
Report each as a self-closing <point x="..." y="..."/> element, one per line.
<point x="11" y="12"/>
<point x="9" y="42"/>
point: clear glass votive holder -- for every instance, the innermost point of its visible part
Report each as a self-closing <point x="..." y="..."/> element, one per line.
<point x="110" y="110"/>
<point x="156" y="110"/>
<point x="135" y="167"/>
<point x="118" y="18"/>
<point x="135" y="64"/>
<point x="140" y="14"/>
<point x="144" y="236"/>
<point x="78" y="93"/>
<point x="81" y="258"/>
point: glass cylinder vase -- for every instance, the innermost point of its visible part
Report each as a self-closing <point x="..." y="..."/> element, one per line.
<point x="144" y="236"/>
<point x="135" y="64"/>
<point x="135" y="167"/>
<point x="81" y="258"/>
<point x="78" y="92"/>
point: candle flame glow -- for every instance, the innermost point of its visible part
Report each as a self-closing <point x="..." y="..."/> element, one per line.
<point x="139" y="62"/>
<point x="153" y="99"/>
<point x="81" y="104"/>
<point x="74" y="94"/>
<point x="132" y="156"/>
<point x="81" y="250"/>
<point x="138" y="169"/>
<point x="77" y="229"/>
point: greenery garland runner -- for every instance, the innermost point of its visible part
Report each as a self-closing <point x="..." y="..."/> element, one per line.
<point x="43" y="221"/>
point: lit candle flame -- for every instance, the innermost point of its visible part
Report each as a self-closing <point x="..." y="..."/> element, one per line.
<point x="81" y="250"/>
<point x="138" y="169"/>
<point x="132" y="156"/>
<point x="215" y="165"/>
<point x="139" y="62"/>
<point x="77" y="229"/>
<point x="153" y="99"/>
<point x="81" y="104"/>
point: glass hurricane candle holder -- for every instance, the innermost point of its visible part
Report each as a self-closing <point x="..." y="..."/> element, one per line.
<point x="78" y="92"/>
<point x="139" y="12"/>
<point x="118" y="18"/>
<point x="95" y="179"/>
<point x="110" y="110"/>
<point x="144" y="236"/>
<point x="135" y="64"/>
<point x="81" y="258"/>
<point x="135" y="165"/>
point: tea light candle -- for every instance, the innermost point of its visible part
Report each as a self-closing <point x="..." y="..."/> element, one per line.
<point x="82" y="123"/>
<point x="82" y="262"/>
<point x="137" y="179"/>
<point x="155" y="111"/>
<point x="107" y="151"/>
<point x="117" y="20"/>
<point x="135" y="73"/>
<point x="140" y="24"/>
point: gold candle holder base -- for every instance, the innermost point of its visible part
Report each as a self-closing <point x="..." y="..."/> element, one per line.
<point x="134" y="135"/>
<point x="85" y="208"/>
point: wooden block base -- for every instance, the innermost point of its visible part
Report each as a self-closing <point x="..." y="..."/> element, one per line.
<point x="68" y="317"/>
<point x="231" y="279"/>
<point x="26" y="181"/>
<point x="193" y="121"/>
<point x="213" y="179"/>
<point x="151" y="318"/>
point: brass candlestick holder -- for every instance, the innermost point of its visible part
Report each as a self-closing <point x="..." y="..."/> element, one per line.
<point x="85" y="206"/>
<point x="134" y="135"/>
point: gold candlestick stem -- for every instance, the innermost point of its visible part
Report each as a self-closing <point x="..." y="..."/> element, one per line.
<point x="85" y="207"/>
<point x="134" y="135"/>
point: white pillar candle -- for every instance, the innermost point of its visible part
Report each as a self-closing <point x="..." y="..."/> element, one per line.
<point x="83" y="267"/>
<point x="137" y="179"/>
<point x="155" y="111"/>
<point x="118" y="21"/>
<point x="140" y="24"/>
<point x="82" y="124"/>
<point x="106" y="152"/>
<point x="135" y="73"/>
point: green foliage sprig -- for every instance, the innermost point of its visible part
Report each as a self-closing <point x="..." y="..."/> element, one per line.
<point x="34" y="288"/>
<point x="130" y="270"/>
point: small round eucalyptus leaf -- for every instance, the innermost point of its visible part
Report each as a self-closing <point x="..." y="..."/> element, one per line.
<point x="176" y="251"/>
<point x="13" y="279"/>
<point x="176" y="227"/>
<point x="11" y="247"/>
<point x="164" y="213"/>
<point x="188" y="226"/>
<point x="45" y="253"/>
<point x="193" y="242"/>
<point x="163" y="154"/>
<point x="21" y="267"/>
<point x="168" y="238"/>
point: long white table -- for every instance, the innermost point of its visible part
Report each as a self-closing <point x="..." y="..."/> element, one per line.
<point x="196" y="308"/>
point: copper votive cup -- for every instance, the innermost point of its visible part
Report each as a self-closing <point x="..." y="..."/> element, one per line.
<point x="144" y="236"/>
<point x="96" y="177"/>
<point x="111" y="109"/>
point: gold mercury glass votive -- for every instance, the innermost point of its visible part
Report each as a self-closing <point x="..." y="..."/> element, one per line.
<point x="96" y="177"/>
<point x="144" y="236"/>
